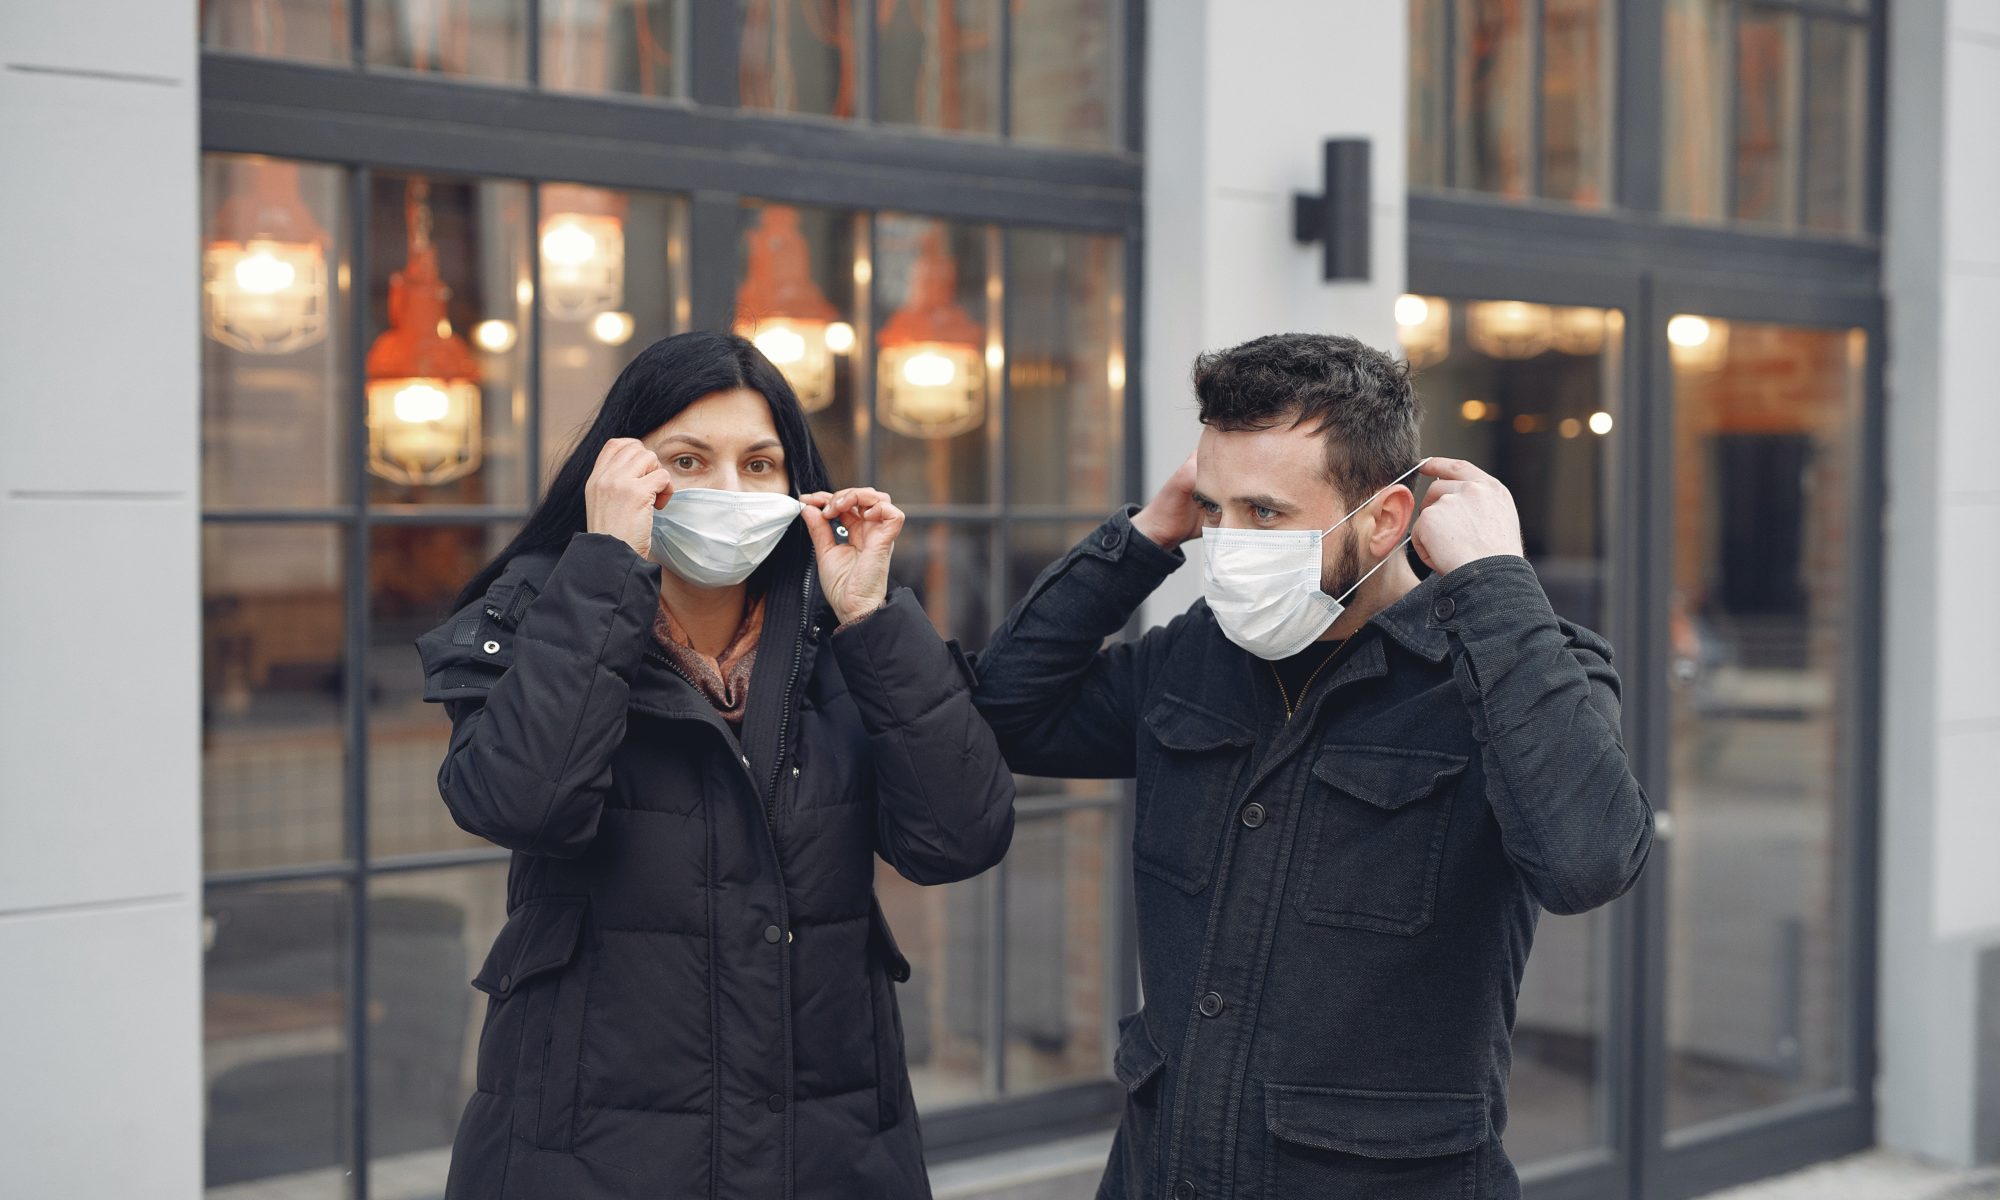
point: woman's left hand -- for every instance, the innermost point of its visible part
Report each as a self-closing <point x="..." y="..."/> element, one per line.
<point x="854" y="575"/>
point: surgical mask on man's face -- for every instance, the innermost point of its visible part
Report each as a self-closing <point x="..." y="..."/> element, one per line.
<point x="1263" y="584"/>
<point x="716" y="538"/>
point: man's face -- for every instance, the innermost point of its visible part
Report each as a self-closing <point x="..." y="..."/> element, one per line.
<point x="1276" y="478"/>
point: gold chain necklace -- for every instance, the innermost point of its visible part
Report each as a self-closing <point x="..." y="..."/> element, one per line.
<point x="1307" y="685"/>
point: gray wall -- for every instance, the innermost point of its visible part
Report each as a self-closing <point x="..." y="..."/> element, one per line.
<point x="100" y="1061"/>
<point x="1941" y="705"/>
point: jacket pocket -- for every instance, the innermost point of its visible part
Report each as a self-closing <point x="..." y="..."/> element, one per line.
<point x="1380" y="1145"/>
<point x="886" y="967"/>
<point x="1136" y="1063"/>
<point x="1189" y="765"/>
<point x="1374" y="836"/>
<point x="534" y="1028"/>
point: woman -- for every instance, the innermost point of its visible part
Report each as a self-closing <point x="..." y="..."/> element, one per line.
<point x="695" y="765"/>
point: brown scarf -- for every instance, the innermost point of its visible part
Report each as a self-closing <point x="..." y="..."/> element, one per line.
<point x="724" y="681"/>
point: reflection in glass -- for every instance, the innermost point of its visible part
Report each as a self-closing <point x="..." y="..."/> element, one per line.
<point x="481" y="39"/>
<point x="934" y="349"/>
<point x="1493" y="103"/>
<point x="1836" y="126"/>
<point x="797" y="56"/>
<point x="274" y="1038"/>
<point x="624" y="46"/>
<point x="314" y="30"/>
<point x="428" y="932"/>
<point x="945" y="932"/>
<point x="1576" y="100"/>
<point x="444" y="418"/>
<point x="1059" y="970"/>
<point x="781" y="307"/>
<point x="415" y="571"/>
<point x="274" y="365"/>
<point x="1767" y="88"/>
<point x="1536" y="412"/>
<point x="1065" y="369"/>
<point x="937" y="64"/>
<point x="1694" y="120"/>
<point x="1429" y="119"/>
<point x="585" y="346"/>
<point x="1761" y="622"/>
<point x="273" y="663"/>
<point x="1064" y="73"/>
<point x="949" y="565"/>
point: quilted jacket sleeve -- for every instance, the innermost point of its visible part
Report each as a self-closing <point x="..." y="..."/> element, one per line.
<point x="538" y="706"/>
<point x="944" y="796"/>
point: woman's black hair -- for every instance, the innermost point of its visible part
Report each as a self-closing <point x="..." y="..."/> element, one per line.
<point x="653" y="389"/>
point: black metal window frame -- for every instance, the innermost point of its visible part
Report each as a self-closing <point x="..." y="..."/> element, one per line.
<point x="703" y="147"/>
<point x="1470" y="246"/>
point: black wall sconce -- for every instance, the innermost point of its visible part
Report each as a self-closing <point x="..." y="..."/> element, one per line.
<point x="1338" y="217"/>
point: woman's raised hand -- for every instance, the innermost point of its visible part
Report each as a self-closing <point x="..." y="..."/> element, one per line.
<point x="625" y="487"/>
<point x="854" y="576"/>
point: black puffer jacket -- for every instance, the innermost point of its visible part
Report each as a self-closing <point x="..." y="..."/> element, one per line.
<point x="692" y="994"/>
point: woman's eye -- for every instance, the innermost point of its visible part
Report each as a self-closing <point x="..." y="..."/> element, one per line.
<point x="685" y="462"/>
<point x="760" y="466"/>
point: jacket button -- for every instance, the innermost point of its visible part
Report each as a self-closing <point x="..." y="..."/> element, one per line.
<point x="1185" y="1190"/>
<point x="491" y="647"/>
<point x="1211" y="1004"/>
<point x="1443" y="609"/>
<point x="776" y="1102"/>
<point x="506" y="983"/>
<point x="1108" y="539"/>
<point x="772" y="933"/>
<point x="1253" y="814"/>
<point x="795" y="772"/>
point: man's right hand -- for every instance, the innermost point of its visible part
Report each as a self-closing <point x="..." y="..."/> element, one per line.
<point x="625" y="487"/>
<point x="1172" y="517"/>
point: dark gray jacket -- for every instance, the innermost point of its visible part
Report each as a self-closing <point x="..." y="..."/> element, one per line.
<point x="1334" y="911"/>
<point x="692" y="995"/>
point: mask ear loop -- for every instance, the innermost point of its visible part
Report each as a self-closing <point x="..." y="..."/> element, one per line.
<point x="1407" y="534"/>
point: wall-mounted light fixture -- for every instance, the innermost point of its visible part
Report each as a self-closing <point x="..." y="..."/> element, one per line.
<point x="1337" y="218"/>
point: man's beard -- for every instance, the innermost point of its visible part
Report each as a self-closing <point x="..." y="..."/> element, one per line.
<point x="1346" y="569"/>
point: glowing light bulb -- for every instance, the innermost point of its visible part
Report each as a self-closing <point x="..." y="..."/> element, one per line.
<point x="421" y="402"/>
<point x="1412" y="311"/>
<point x="1688" y="331"/>
<point x="568" y="244"/>
<point x="781" y="345"/>
<point x="840" y="337"/>
<point x="612" y="328"/>
<point x="1600" y="423"/>
<point x="494" y="336"/>
<point x="929" y="369"/>
<point x="263" y="273"/>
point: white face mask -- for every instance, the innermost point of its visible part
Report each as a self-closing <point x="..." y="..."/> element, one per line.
<point x="716" y="538"/>
<point x="1263" y="584"/>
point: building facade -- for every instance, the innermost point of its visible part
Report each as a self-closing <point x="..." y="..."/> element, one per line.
<point x="1701" y="280"/>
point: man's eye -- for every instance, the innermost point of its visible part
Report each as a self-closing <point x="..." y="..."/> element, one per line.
<point x="1208" y="506"/>
<point x="1263" y="514"/>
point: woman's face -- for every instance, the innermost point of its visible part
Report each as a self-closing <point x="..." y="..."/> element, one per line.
<point x="724" y="440"/>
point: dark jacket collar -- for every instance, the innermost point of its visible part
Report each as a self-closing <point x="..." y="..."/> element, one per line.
<point x="1407" y="620"/>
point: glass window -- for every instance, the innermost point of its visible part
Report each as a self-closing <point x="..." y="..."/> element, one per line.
<point x="624" y="46"/>
<point x="477" y="39"/>
<point x="428" y="932"/>
<point x="1060" y="907"/>
<point x="1065" y="369"/>
<point x="797" y="56"/>
<point x="614" y="280"/>
<point x="275" y="1051"/>
<point x="445" y="390"/>
<point x="1767" y="121"/>
<point x="274" y="666"/>
<point x="937" y="354"/>
<point x="313" y="30"/>
<point x="274" y="346"/>
<point x="937" y="64"/>
<point x="1063" y="73"/>
<point x="796" y="297"/>
<point x="1761" y="692"/>
<point x="1530" y="392"/>
<point x="1512" y="99"/>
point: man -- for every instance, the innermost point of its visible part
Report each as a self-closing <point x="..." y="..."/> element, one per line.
<point x="1347" y="817"/>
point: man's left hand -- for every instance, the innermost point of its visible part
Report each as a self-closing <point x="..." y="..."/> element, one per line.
<point x="1467" y="515"/>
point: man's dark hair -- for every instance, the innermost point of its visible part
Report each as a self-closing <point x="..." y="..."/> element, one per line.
<point x="1359" y="398"/>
